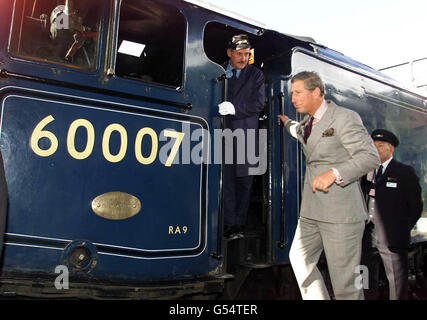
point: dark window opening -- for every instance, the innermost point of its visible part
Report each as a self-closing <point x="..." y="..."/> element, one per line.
<point x="63" y="32"/>
<point x="216" y="38"/>
<point x="272" y="50"/>
<point x="151" y="42"/>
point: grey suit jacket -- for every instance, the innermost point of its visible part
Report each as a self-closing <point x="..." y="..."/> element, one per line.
<point x="339" y="140"/>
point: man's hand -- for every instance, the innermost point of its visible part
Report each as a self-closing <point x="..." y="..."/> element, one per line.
<point x="226" y="108"/>
<point x="283" y="118"/>
<point x="324" y="181"/>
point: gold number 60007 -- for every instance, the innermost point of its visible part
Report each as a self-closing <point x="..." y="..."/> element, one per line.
<point x="39" y="132"/>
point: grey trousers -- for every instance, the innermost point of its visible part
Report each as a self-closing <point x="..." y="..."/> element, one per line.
<point x="395" y="261"/>
<point x="342" y="243"/>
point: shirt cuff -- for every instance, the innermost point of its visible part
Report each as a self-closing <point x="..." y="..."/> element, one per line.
<point x="338" y="178"/>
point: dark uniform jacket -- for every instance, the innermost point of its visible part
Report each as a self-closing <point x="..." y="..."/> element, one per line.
<point x="247" y="94"/>
<point x="399" y="203"/>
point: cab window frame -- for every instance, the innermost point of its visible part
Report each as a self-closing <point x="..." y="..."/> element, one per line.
<point x="114" y="69"/>
<point x="15" y="40"/>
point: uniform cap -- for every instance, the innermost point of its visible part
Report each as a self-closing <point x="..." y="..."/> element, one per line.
<point x="240" y="41"/>
<point x="385" y="135"/>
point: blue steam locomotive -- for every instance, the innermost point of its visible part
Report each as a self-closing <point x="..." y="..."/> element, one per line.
<point x="109" y="137"/>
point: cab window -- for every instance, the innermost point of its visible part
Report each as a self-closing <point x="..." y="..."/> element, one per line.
<point x="151" y="42"/>
<point x="66" y="33"/>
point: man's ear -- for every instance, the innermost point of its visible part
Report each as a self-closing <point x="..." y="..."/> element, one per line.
<point x="316" y="92"/>
<point x="229" y="53"/>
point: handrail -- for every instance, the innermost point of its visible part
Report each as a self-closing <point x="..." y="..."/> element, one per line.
<point x="218" y="253"/>
<point x="281" y="243"/>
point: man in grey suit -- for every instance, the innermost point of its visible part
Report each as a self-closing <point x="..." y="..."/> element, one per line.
<point x="338" y="152"/>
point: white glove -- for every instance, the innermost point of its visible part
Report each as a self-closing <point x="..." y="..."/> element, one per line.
<point x="225" y="108"/>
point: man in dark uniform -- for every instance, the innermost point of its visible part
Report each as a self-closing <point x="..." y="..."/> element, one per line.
<point x="244" y="103"/>
<point x="393" y="195"/>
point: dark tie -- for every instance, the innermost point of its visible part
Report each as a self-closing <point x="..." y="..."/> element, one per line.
<point x="234" y="73"/>
<point x="379" y="173"/>
<point x="307" y="129"/>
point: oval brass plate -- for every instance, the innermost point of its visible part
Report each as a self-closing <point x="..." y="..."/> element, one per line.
<point x="116" y="205"/>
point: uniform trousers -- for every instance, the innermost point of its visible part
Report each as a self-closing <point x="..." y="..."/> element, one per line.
<point x="342" y="243"/>
<point x="394" y="259"/>
<point x="237" y="195"/>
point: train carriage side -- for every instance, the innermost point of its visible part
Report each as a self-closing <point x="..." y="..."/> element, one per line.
<point x="380" y="101"/>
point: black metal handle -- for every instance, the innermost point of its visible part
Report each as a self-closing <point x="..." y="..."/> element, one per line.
<point x="218" y="253"/>
<point x="223" y="78"/>
<point x="281" y="243"/>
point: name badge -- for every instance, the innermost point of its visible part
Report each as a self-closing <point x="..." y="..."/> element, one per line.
<point x="372" y="192"/>
<point x="391" y="184"/>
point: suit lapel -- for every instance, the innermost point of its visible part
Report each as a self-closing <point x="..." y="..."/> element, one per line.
<point x="388" y="171"/>
<point x="319" y="128"/>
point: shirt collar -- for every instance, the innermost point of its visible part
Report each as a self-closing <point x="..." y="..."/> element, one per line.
<point x="386" y="163"/>
<point x="229" y="71"/>
<point x="320" y="112"/>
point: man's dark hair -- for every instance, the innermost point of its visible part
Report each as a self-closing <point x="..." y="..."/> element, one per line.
<point x="311" y="81"/>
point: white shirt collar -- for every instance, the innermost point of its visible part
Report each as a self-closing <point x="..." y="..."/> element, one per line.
<point x="229" y="72"/>
<point x="320" y="112"/>
<point x="385" y="164"/>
